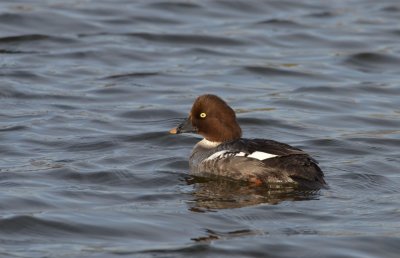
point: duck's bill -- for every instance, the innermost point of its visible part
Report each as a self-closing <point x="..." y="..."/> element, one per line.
<point x="173" y="131"/>
<point x="184" y="127"/>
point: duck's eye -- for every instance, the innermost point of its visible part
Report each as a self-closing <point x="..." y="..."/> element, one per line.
<point x="203" y="115"/>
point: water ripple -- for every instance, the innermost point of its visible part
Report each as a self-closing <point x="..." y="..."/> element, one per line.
<point x="373" y="62"/>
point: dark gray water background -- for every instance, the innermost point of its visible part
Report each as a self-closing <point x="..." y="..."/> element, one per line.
<point x="89" y="89"/>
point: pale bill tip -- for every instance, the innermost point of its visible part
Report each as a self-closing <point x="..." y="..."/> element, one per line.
<point x="173" y="131"/>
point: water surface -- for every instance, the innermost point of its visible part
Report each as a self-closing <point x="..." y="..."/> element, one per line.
<point x="89" y="90"/>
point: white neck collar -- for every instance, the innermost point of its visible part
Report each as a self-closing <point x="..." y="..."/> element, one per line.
<point x="208" y="144"/>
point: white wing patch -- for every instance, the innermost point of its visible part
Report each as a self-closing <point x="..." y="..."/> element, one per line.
<point x="218" y="154"/>
<point x="241" y="154"/>
<point x="255" y="155"/>
<point x="261" y="155"/>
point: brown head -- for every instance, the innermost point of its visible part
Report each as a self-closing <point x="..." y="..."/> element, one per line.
<point x="212" y="118"/>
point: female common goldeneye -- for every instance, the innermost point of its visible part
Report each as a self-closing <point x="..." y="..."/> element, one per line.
<point x="223" y="152"/>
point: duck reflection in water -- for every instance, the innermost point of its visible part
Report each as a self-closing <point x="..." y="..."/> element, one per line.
<point x="220" y="193"/>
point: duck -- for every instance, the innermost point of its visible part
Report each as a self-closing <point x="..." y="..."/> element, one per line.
<point x="223" y="153"/>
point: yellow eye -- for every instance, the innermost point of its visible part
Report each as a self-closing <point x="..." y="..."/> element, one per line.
<point x="203" y="115"/>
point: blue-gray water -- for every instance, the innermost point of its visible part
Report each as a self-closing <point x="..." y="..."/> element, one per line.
<point x="89" y="89"/>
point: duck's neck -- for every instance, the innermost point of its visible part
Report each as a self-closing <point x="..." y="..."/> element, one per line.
<point x="208" y="144"/>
